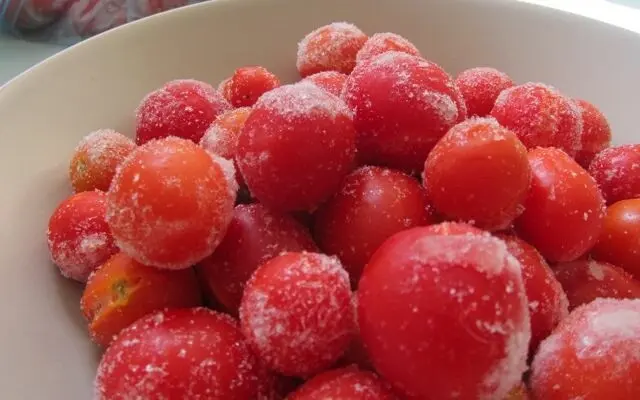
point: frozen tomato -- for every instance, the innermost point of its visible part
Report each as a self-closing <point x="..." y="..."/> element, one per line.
<point x="540" y="116"/>
<point x="331" y="47"/>
<point x="255" y="235"/>
<point x="380" y="43"/>
<point x="564" y="208"/>
<point x="179" y="354"/>
<point x="452" y="228"/>
<point x="596" y="133"/>
<point x="480" y="88"/>
<point x="593" y="355"/>
<point x="296" y="313"/>
<point x="372" y="204"/>
<point x="620" y="237"/>
<point x="548" y="304"/>
<point x="247" y="84"/>
<point x="122" y="290"/>
<point x="96" y="158"/>
<point x="78" y="235"/>
<point x="451" y="308"/>
<point x="617" y="171"/>
<point x="183" y="108"/>
<point x="478" y="172"/>
<point x="520" y="392"/>
<point x="331" y="81"/>
<point x="170" y="203"/>
<point x="345" y="384"/>
<point x="296" y="147"/>
<point x="221" y="138"/>
<point x="586" y="280"/>
<point x="402" y="106"/>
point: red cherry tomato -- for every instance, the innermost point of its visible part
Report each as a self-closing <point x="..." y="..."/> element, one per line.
<point x="592" y="355"/>
<point x="255" y="235"/>
<point x="450" y="308"/>
<point x="380" y="43"/>
<point x="331" y="81"/>
<point x="619" y="242"/>
<point x="344" y="384"/>
<point x="480" y="88"/>
<point x="179" y="354"/>
<point x="247" y="84"/>
<point x="372" y="204"/>
<point x="596" y="133"/>
<point x="617" y="171"/>
<point x="564" y="208"/>
<point x="478" y="172"/>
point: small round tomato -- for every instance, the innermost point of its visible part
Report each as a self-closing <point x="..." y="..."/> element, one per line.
<point x="619" y="242"/>
<point x="78" y="236"/>
<point x="96" y="159"/>
<point x="564" y="208"/>
<point x="596" y="133"/>
<point x="380" y="43"/>
<point x="373" y="204"/>
<point x="592" y="355"/>
<point x="330" y="81"/>
<point x="296" y="313"/>
<point x="247" y="84"/>
<point x="478" y="172"/>
<point x="480" y="88"/>
<point x="453" y="228"/>
<point x="548" y="304"/>
<point x="255" y="235"/>
<point x="617" y="171"/>
<point x="122" y="290"/>
<point x="586" y="280"/>
<point x="345" y="384"/>
<point x="179" y="354"/>
<point x="331" y="47"/>
<point x="451" y="308"/>
<point x="170" y="203"/>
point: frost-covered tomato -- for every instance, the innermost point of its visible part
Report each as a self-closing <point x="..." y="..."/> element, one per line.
<point x="478" y="172"/>
<point x="373" y="204"/>
<point x="452" y="228"/>
<point x="548" y="304"/>
<point x="331" y="81"/>
<point x="179" y="354"/>
<point x="344" y="384"/>
<point x="619" y="241"/>
<point x="296" y="146"/>
<point x="255" y="235"/>
<point x="296" y="313"/>
<point x="78" y="236"/>
<point x="122" y="290"/>
<point x="593" y="355"/>
<point x="596" y="133"/>
<point x="402" y="106"/>
<point x="541" y="116"/>
<point x="617" y="171"/>
<point x="564" y="208"/>
<point x="451" y="309"/>
<point x="380" y="43"/>
<point x="586" y="280"/>
<point x="247" y="84"/>
<point x="480" y="88"/>
<point x="170" y="203"/>
<point x="183" y="108"/>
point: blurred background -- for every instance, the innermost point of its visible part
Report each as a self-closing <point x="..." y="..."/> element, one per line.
<point x="32" y="30"/>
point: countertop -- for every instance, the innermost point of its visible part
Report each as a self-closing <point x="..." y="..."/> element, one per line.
<point x="17" y="56"/>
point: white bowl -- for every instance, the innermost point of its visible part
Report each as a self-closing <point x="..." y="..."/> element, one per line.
<point x="44" y="349"/>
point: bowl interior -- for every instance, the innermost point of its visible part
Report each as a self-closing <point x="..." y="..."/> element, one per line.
<point x="98" y="84"/>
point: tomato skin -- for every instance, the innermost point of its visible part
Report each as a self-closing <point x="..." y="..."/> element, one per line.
<point x="619" y="241"/>
<point x="478" y="172"/>
<point x="78" y="236"/>
<point x="296" y="313"/>
<point x="255" y="235"/>
<point x="380" y="43"/>
<point x="372" y="204"/>
<point x="564" y="208"/>
<point x="170" y="203"/>
<point x="330" y="81"/>
<point x="617" y="171"/>
<point x="548" y="304"/>
<point x="247" y="84"/>
<point x="179" y="354"/>
<point x="122" y="290"/>
<point x="586" y="280"/>
<point x="405" y="287"/>
<point x="592" y="355"/>
<point x="348" y="383"/>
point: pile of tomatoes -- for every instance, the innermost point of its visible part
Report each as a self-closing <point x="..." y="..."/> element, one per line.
<point x="377" y="230"/>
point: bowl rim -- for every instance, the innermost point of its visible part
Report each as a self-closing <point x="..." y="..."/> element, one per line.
<point x="602" y="11"/>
